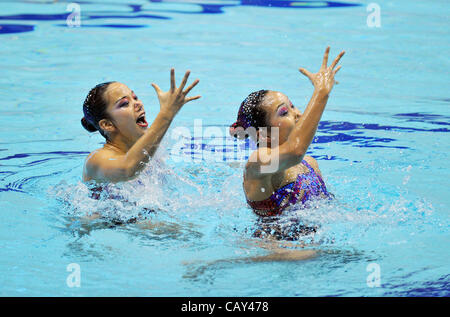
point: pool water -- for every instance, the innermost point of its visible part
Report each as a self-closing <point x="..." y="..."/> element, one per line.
<point x="382" y="147"/>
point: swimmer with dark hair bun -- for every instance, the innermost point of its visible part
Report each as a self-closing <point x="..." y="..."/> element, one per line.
<point x="279" y="174"/>
<point x="118" y="114"/>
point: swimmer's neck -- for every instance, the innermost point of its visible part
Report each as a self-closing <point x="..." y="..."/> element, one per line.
<point x="118" y="146"/>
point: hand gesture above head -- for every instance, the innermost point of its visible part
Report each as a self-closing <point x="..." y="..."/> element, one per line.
<point x="171" y="101"/>
<point x="323" y="80"/>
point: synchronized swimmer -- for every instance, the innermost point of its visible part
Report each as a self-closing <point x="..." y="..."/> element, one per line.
<point x="297" y="177"/>
<point x="118" y="114"/>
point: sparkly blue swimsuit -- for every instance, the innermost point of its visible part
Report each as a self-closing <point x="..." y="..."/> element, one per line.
<point x="305" y="186"/>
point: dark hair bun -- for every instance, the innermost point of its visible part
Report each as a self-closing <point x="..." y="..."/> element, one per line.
<point x="87" y="125"/>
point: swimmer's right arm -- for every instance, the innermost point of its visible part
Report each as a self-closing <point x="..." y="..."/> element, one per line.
<point x="323" y="82"/>
<point x="292" y="151"/>
<point x="124" y="167"/>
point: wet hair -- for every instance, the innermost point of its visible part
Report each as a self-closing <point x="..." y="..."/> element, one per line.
<point x="94" y="108"/>
<point x="250" y="114"/>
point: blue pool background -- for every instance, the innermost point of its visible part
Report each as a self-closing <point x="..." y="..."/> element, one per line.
<point x="382" y="147"/>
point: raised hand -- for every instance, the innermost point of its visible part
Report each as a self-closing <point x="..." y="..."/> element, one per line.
<point x="172" y="100"/>
<point x="323" y="80"/>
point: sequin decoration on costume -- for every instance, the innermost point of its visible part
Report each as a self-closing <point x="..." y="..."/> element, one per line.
<point x="305" y="187"/>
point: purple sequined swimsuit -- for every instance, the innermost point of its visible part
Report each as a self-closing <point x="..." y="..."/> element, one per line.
<point x="305" y="186"/>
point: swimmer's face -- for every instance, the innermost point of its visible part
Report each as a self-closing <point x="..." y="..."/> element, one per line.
<point x="126" y="112"/>
<point x="281" y="113"/>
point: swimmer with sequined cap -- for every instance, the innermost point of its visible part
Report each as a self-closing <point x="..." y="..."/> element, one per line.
<point x="118" y="114"/>
<point x="296" y="178"/>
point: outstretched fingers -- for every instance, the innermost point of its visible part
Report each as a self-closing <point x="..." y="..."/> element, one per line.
<point x="306" y="73"/>
<point x="157" y="89"/>
<point x="183" y="83"/>
<point x="191" y="86"/>
<point x="172" y="79"/>
<point x="337" y="59"/>
<point x="325" y="57"/>
<point x="337" y="69"/>
<point x="191" y="98"/>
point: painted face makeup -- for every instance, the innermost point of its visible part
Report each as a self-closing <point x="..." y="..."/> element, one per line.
<point x="283" y="111"/>
<point x="130" y="99"/>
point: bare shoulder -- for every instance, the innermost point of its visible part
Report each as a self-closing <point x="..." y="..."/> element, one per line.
<point x="94" y="158"/>
<point x="312" y="161"/>
<point x="95" y="161"/>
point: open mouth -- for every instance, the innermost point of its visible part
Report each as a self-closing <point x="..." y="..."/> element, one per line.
<point x="141" y="121"/>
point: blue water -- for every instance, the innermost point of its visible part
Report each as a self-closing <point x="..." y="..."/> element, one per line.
<point x="382" y="147"/>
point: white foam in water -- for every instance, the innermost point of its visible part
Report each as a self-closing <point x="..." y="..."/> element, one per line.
<point x="211" y="196"/>
<point x="184" y="192"/>
<point x="344" y="222"/>
<point x="157" y="188"/>
<point x="171" y="192"/>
